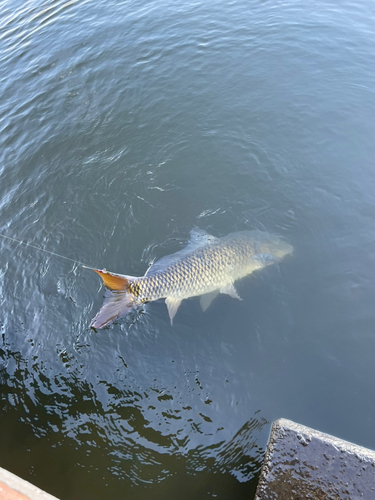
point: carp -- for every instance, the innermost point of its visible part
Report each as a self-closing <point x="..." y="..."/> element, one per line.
<point x="206" y="267"/>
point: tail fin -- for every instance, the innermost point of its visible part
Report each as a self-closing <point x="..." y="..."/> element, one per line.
<point x="118" y="300"/>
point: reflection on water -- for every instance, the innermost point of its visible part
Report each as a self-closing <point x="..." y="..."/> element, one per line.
<point x="133" y="436"/>
<point x="122" y="126"/>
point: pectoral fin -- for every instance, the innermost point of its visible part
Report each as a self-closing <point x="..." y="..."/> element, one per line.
<point x="264" y="259"/>
<point x="172" y="304"/>
<point x="230" y="290"/>
<point x="207" y="298"/>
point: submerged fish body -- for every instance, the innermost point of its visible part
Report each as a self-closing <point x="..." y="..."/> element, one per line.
<point x="206" y="267"/>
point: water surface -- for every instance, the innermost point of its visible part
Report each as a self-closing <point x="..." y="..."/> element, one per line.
<point x="122" y="126"/>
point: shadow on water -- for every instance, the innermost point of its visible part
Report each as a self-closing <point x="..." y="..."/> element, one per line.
<point x="100" y="441"/>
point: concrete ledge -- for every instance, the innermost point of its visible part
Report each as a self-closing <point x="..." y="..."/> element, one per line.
<point x="13" y="487"/>
<point x="302" y="463"/>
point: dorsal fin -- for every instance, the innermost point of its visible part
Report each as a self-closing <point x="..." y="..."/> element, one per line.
<point x="113" y="281"/>
<point x="198" y="238"/>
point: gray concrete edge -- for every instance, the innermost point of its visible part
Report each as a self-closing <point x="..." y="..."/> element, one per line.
<point x="301" y="462"/>
<point x="340" y="444"/>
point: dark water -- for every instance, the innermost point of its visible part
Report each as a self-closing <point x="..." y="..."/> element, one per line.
<point x="123" y="125"/>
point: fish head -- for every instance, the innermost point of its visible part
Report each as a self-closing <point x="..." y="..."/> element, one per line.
<point x="277" y="247"/>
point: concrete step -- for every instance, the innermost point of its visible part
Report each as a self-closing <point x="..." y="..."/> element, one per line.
<point x="13" y="487"/>
<point x="302" y="463"/>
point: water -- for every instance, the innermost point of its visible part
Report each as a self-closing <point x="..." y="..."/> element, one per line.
<point x="122" y="126"/>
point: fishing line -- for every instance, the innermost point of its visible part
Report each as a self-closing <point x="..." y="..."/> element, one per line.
<point x="46" y="251"/>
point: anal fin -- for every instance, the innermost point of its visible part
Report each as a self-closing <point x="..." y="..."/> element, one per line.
<point x="230" y="290"/>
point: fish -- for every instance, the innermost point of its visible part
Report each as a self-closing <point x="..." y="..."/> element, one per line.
<point x="206" y="267"/>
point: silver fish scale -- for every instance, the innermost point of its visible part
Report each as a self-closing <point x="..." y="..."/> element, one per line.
<point x="207" y="264"/>
<point x="203" y="270"/>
